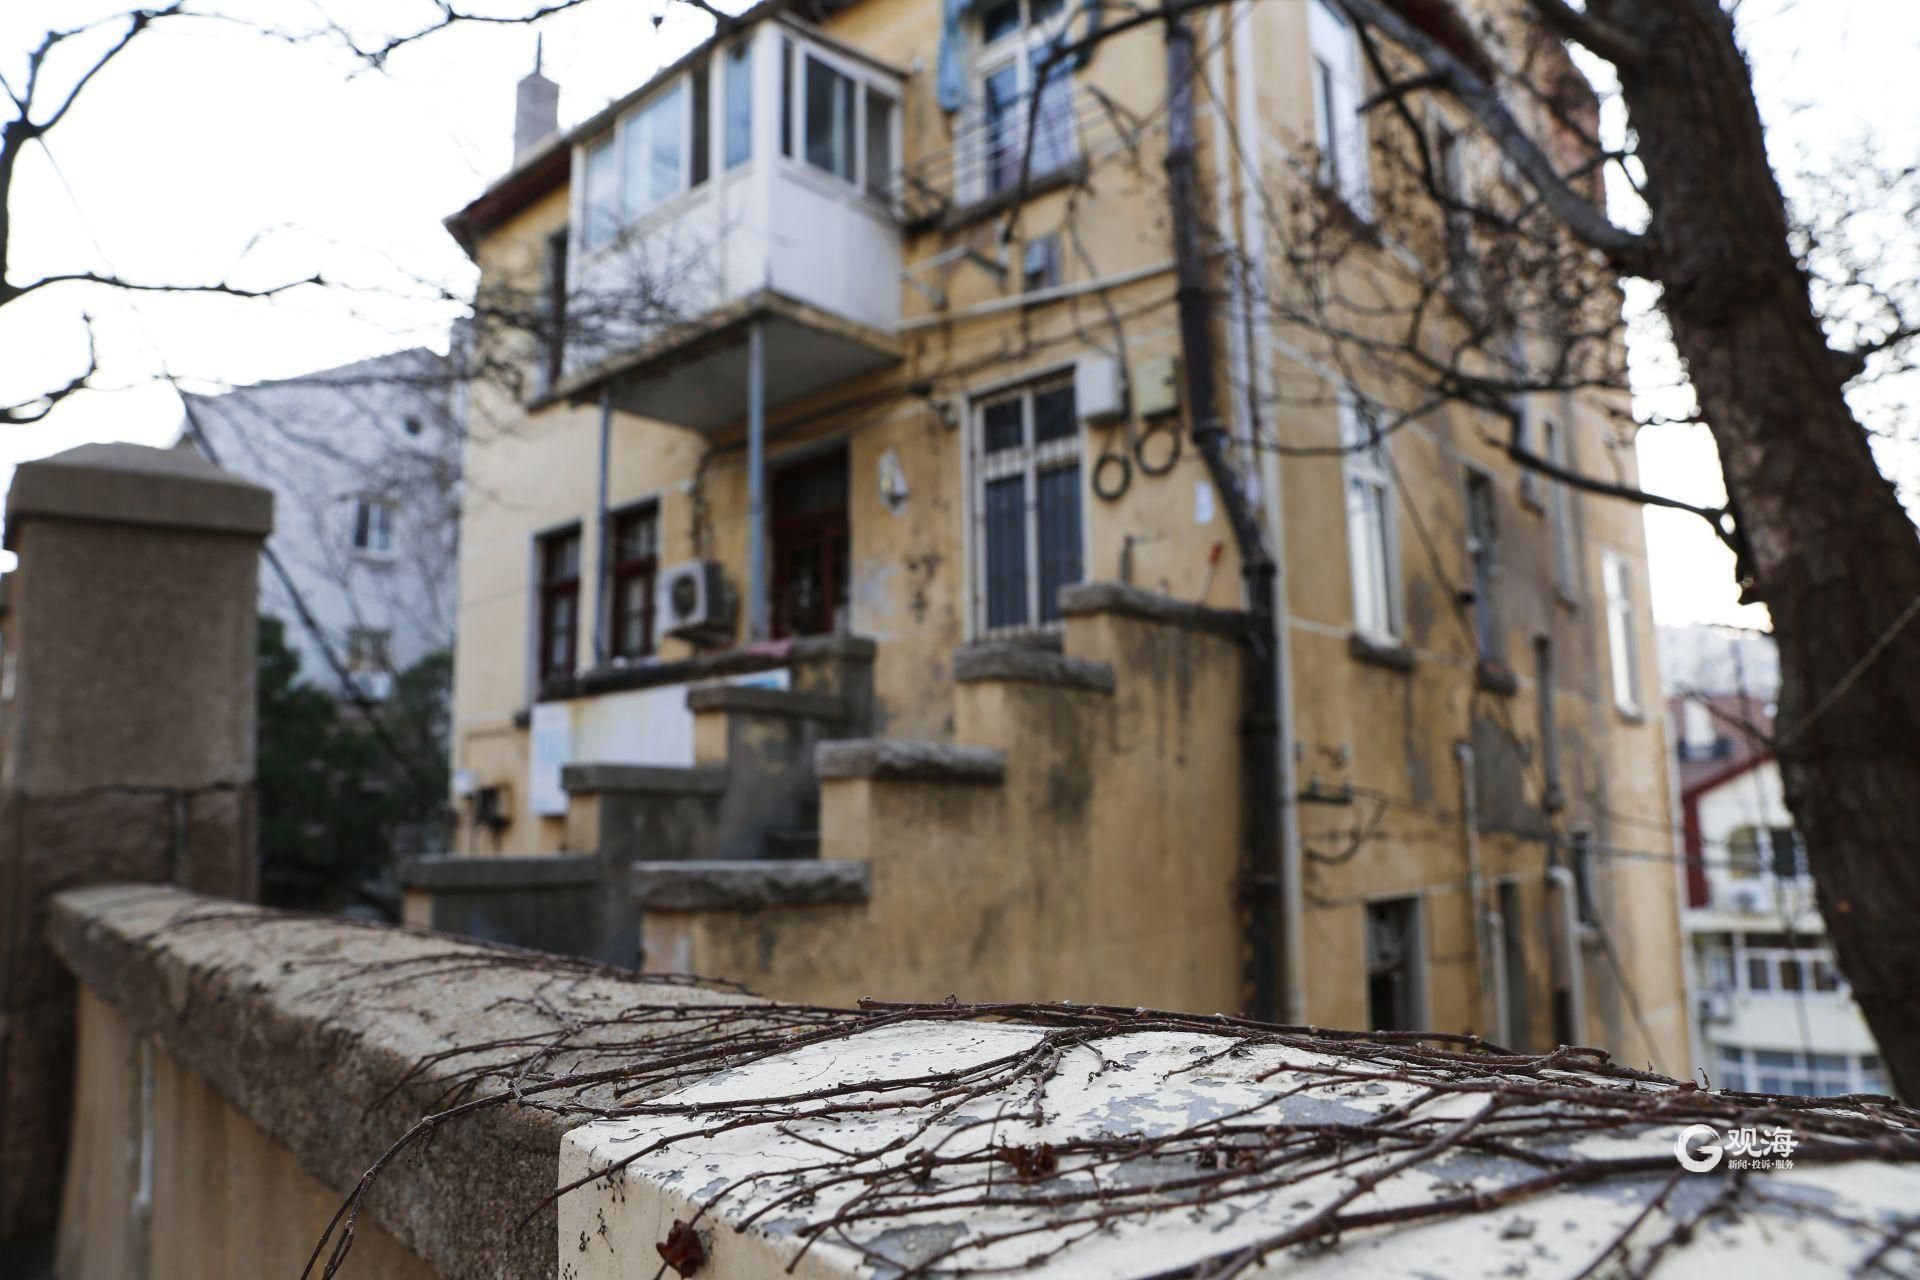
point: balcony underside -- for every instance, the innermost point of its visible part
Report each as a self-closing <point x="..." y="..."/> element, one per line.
<point x="695" y="374"/>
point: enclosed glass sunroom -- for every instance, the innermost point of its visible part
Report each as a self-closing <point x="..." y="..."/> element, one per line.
<point x="750" y="187"/>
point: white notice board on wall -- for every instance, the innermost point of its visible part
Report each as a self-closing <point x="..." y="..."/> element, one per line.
<point x="550" y="749"/>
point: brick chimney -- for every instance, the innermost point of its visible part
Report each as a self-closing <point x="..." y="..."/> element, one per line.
<point x="536" y="108"/>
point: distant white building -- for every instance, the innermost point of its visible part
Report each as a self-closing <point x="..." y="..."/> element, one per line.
<point x="1772" y="1012"/>
<point x="364" y="464"/>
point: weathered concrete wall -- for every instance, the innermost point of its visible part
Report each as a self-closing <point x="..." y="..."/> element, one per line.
<point x="167" y="1181"/>
<point x="127" y="704"/>
<point x="287" y="1046"/>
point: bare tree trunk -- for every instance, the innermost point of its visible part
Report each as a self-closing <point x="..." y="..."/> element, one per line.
<point x="1833" y="553"/>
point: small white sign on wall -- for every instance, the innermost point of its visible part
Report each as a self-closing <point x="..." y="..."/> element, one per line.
<point x="1202" y="502"/>
<point x="550" y="749"/>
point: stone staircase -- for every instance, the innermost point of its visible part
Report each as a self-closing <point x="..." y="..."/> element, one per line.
<point x="1089" y="807"/>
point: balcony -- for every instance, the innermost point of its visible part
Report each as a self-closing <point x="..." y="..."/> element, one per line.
<point x="747" y="190"/>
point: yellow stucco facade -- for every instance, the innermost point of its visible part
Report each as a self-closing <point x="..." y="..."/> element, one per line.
<point x="1104" y="865"/>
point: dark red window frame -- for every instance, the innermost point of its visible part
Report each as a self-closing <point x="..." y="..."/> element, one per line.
<point x="559" y="566"/>
<point x="636" y="565"/>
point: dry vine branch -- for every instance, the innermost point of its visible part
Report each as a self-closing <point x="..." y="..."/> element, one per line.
<point x="1526" y="1111"/>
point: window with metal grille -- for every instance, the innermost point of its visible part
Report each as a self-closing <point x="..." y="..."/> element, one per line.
<point x="557" y="556"/>
<point x="633" y="564"/>
<point x="1027" y="507"/>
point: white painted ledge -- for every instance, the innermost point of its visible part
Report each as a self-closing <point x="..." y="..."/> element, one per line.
<point x="1148" y="1083"/>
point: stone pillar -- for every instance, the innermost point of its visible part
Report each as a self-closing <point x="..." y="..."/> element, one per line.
<point x="127" y="714"/>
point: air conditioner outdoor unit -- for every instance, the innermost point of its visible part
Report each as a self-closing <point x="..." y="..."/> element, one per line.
<point x="693" y="602"/>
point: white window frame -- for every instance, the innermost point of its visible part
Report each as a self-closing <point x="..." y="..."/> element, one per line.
<point x="1026" y="460"/>
<point x="620" y="224"/>
<point x="1368" y="470"/>
<point x="793" y="153"/>
<point x="1340" y="131"/>
<point x="1616" y="574"/>
<point x="379" y="521"/>
<point x="1018" y="48"/>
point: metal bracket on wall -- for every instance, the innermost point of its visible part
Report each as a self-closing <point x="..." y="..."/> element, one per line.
<point x="944" y="262"/>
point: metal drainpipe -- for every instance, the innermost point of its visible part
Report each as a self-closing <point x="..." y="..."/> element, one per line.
<point x="603" y="562"/>
<point x="1476" y="889"/>
<point x="1263" y="885"/>
<point x="756" y="482"/>
<point x="1259" y="393"/>
<point x="1561" y="881"/>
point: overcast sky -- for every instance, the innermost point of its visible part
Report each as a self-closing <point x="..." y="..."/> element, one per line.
<point x="209" y="152"/>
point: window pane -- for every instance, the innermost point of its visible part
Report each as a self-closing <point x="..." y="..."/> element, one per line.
<point x="739" y="105"/>
<point x="1759" y="974"/>
<point x="633" y="536"/>
<point x="653" y="145"/>
<point x="1040" y="10"/>
<point x="786" y="97"/>
<point x="603" y="195"/>
<point x="701" y="158"/>
<point x="879" y="158"/>
<point x="663" y="168"/>
<point x="1480" y="543"/>
<point x="1053" y="134"/>
<point x="999" y="19"/>
<point x="1367" y="544"/>
<point x="1006" y="552"/>
<point x="1001" y="132"/>
<point x="1743" y="853"/>
<point x="1790" y="974"/>
<point x="1000" y="426"/>
<point x="829" y="120"/>
<point x="1053" y="417"/>
<point x="1058" y="493"/>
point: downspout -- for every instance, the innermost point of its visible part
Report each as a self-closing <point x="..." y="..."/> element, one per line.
<point x="756" y="482"/>
<point x="1259" y="399"/>
<point x="1262" y="883"/>
<point x="603" y="562"/>
<point x="1566" y="917"/>
<point x="1490" y="1012"/>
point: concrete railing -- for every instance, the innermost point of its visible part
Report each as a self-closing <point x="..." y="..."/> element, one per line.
<point x="239" y="1071"/>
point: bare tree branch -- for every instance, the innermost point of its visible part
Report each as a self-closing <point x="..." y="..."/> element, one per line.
<point x="1610" y="42"/>
<point x="1626" y="250"/>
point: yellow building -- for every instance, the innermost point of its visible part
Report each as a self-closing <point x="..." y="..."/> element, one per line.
<point x="846" y="607"/>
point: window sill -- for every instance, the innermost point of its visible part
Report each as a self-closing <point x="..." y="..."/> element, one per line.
<point x="960" y="217"/>
<point x="1379" y="653"/>
<point x="1630" y="715"/>
<point x="1495" y="676"/>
